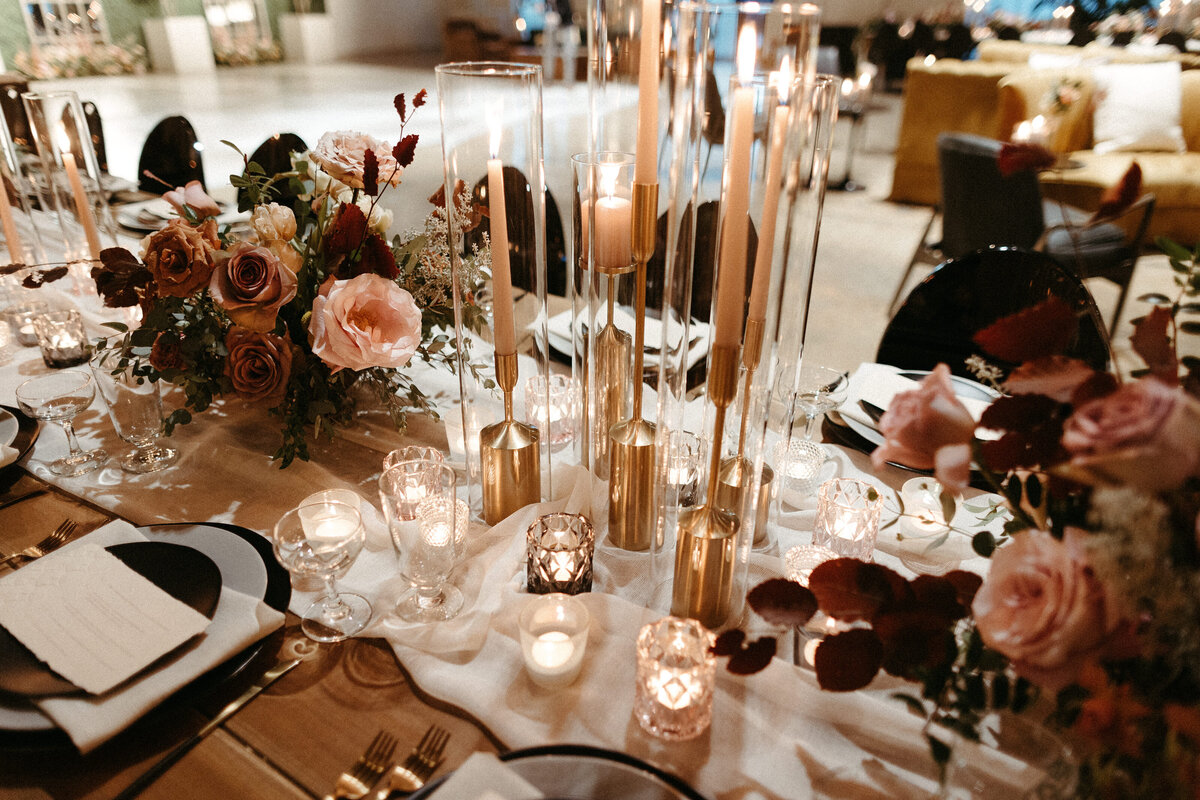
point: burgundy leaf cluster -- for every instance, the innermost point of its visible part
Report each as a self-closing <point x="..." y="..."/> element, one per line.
<point x="1121" y="195"/>
<point x="121" y="279"/>
<point x="39" y="277"/>
<point x="352" y="249"/>
<point x="1017" y="157"/>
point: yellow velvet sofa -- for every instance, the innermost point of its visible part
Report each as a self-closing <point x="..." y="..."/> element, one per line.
<point x="1013" y="52"/>
<point x="1174" y="178"/>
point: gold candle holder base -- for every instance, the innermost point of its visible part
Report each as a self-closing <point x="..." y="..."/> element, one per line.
<point x="512" y="473"/>
<point x="705" y="556"/>
<point x="631" y="508"/>
<point x="732" y="480"/>
<point x="614" y="356"/>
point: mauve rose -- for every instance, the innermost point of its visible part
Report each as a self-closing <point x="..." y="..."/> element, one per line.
<point x="928" y="428"/>
<point x="340" y="153"/>
<point x="252" y="285"/>
<point x="192" y="195"/>
<point x="258" y="364"/>
<point x="181" y="258"/>
<point x="1043" y="607"/>
<point x="1145" y="434"/>
<point x="367" y="321"/>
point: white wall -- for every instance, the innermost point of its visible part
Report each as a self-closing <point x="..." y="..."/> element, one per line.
<point x="366" y="27"/>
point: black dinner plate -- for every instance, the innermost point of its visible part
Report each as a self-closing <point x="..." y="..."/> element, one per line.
<point x="583" y="772"/>
<point x="237" y="671"/>
<point x="186" y="574"/>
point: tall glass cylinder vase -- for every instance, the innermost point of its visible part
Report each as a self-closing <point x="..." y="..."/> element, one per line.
<point x="491" y="115"/>
<point x="22" y="242"/>
<point x="775" y="163"/>
<point x="68" y="183"/>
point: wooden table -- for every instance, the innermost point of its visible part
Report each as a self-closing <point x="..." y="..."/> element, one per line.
<point x="290" y="742"/>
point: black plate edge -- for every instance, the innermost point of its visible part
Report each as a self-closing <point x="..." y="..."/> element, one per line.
<point x="589" y="751"/>
<point x="243" y="667"/>
<point x="28" y="430"/>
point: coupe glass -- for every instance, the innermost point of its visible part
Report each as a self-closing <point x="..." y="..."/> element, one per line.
<point x="135" y="408"/>
<point x="320" y="540"/>
<point x="59" y="397"/>
<point x="819" y="390"/>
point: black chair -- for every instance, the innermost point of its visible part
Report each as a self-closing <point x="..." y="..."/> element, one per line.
<point x="171" y="156"/>
<point x="1007" y="33"/>
<point x="959" y="42"/>
<point x="275" y="157"/>
<point x="964" y="295"/>
<point x="1176" y="39"/>
<point x="980" y="207"/>
<point x="1122" y="38"/>
<point x="522" y="262"/>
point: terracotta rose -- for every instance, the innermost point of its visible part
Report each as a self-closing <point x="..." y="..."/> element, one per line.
<point x="258" y="365"/>
<point x="182" y="258"/>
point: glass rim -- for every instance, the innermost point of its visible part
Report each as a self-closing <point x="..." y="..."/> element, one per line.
<point x="569" y="603"/>
<point x="604" y="158"/>
<point x="54" y="93"/>
<point x="799" y="10"/>
<point x="494" y="69"/>
<point x="395" y="469"/>
<point x="86" y="378"/>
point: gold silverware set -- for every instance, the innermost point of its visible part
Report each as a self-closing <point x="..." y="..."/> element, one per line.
<point x="403" y="778"/>
<point x="60" y="536"/>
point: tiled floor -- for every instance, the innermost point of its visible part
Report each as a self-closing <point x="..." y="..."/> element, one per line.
<point x="865" y="241"/>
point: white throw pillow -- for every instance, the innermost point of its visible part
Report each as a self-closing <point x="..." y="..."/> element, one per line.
<point x="1137" y="107"/>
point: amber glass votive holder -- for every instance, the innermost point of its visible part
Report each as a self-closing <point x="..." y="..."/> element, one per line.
<point x="560" y="548"/>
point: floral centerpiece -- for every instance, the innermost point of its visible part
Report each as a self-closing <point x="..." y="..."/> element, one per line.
<point x="306" y="306"/>
<point x="1093" y="594"/>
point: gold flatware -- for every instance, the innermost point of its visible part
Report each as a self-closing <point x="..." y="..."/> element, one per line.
<point x="355" y="782"/>
<point x="412" y="773"/>
<point x="51" y="543"/>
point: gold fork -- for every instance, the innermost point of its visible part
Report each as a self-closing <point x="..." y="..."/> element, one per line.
<point x="355" y="782"/>
<point x="51" y="543"/>
<point x="410" y="775"/>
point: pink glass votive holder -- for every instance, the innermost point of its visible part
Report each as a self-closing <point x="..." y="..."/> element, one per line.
<point x="676" y="678"/>
<point x="554" y="408"/>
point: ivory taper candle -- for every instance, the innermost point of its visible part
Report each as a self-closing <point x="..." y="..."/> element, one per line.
<point x="731" y="280"/>
<point x="502" y="296"/>
<point x="766" y="237"/>
<point x="12" y="238"/>
<point x="83" y="208"/>
<point x="646" y="168"/>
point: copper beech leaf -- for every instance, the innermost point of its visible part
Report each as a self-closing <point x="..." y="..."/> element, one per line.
<point x="1038" y="446"/>
<point x="401" y="109"/>
<point x="1152" y="342"/>
<point x="1053" y="376"/>
<point x="419" y="99"/>
<point x="744" y="659"/>
<point x="1017" y="157"/>
<point x="936" y="597"/>
<point x="375" y="256"/>
<point x="405" y="149"/>
<point x="1041" y="330"/>
<point x="38" y="277"/>
<point x="728" y="643"/>
<point x="783" y="602"/>
<point x="347" y="231"/>
<point x="848" y="661"/>
<point x="849" y="589"/>
<point x="370" y="173"/>
<point x="1102" y="384"/>
<point x="914" y="639"/>
<point x="1121" y="195"/>
<point x="120" y="277"/>
<point x="965" y="584"/>
<point x="1019" y="412"/>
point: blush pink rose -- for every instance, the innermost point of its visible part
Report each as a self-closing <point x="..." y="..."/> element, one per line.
<point x="1146" y="434"/>
<point x="340" y="154"/>
<point x="192" y="195"/>
<point x="1044" y="609"/>
<point x="928" y="428"/>
<point x="367" y="321"/>
<point x="252" y="285"/>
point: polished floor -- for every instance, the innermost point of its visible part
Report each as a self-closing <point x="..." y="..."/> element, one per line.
<point x="865" y="242"/>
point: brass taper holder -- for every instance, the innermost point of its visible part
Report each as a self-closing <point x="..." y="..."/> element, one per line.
<point x="736" y="472"/>
<point x="706" y="545"/>
<point x="631" y="508"/>
<point x="509" y="454"/>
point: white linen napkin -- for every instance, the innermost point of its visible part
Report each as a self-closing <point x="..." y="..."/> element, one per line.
<point x="484" y="777"/>
<point x="877" y="384"/>
<point x="238" y="622"/>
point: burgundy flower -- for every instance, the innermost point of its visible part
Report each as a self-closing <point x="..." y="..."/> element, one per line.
<point x="259" y="364"/>
<point x="182" y="258"/>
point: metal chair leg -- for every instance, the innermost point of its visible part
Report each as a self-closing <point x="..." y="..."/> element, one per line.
<point x="922" y="248"/>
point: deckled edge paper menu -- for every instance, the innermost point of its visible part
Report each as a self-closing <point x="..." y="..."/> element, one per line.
<point x="92" y="619"/>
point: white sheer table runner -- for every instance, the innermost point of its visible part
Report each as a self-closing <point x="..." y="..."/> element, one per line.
<point x="774" y="735"/>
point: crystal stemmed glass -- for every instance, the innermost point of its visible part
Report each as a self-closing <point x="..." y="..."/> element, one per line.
<point x="428" y="541"/>
<point x="321" y="539"/>
<point x="819" y="390"/>
<point x="135" y="408"/>
<point x="59" y="397"/>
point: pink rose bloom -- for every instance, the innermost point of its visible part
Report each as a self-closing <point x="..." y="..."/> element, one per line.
<point x="1145" y="434"/>
<point x="340" y="154"/>
<point x="367" y="321"/>
<point x="1044" y="609"/>
<point x="928" y="428"/>
<point x="252" y="285"/>
<point x="192" y="195"/>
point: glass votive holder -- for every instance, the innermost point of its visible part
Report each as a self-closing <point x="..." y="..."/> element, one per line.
<point x="676" y="676"/>
<point x="20" y="321"/>
<point x="404" y="485"/>
<point x="347" y="496"/>
<point x="445" y="510"/>
<point x="554" y="408"/>
<point x="559" y="547"/>
<point x="685" y="461"/>
<point x="62" y="339"/>
<point x="412" y="452"/>
<point x="848" y="517"/>
<point x="554" y="631"/>
<point x="798" y="467"/>
<point x="923" y="512"/>
<point x="800" y="561"/>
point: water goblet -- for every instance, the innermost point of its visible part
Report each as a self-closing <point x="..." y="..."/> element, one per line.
<point x="135" y="408"/>
<point x="428" y="548"/>
<point x="59" y="397"/>
<point x="819" y="390"/>
<point x="320" y="540"/>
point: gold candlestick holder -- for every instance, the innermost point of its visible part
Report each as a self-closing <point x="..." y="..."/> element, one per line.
<point x="614" y="354"/>
<point x="509" y="454"/>
<point x="736" y="473"/>
<point x="631" y="508"/>
<point x="706" y="545"/>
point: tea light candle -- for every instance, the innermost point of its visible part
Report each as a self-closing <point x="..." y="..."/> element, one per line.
<point x="61" y="337"/>
<point x="848" y="517"/>
<point x="923" y="507"/>
<point x="554" y="630"/>
<point x="328" y="523"/>
<point x="799" y="465"/>
<point x="676" y="675"/>
<point x="447" y="519"/>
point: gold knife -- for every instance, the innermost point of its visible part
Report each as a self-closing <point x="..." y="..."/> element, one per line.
<point x="166" y="762"/>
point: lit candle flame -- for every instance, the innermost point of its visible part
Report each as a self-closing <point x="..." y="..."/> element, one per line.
<point x="747" y="44"/>
<point x="496" y="127"/>
<point x="608" y="178"/>
<point x="64" y="141"/>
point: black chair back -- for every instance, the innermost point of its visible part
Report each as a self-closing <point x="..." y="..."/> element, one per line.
<point x="1175" y="39"/>
<point x="275" y="156"/>
<point x="14" y="112"/>
<point x="1122" y="38"/>
<point x="980" y="207"/>
<point x="171" y="156"/>
<point x="964" y="295"/>
<point x="522" y="240"/>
